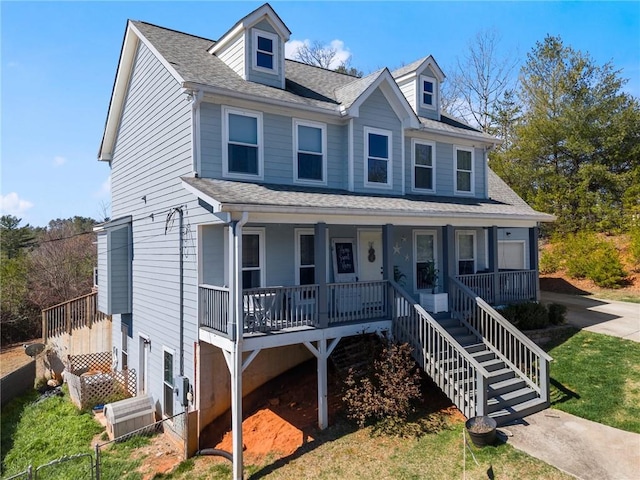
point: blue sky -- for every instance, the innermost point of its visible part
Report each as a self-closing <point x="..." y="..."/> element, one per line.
<point x="58" y="63"/>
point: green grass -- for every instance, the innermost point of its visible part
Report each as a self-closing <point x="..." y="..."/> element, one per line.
<point x="616" y="295"/>
<point x="340" y="452"/>
<point x="597" y="377"/>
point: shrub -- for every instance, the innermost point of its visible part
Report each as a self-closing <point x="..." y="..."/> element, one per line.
<point x="606" y="269"/>
<point x="550" y="261"/>
<point x="579" y="250"/>
<point x="385" y="391"/>
<point x="557" y="313"/>
<point x="586" y="256"/>
<point x="527" y="316"/>
<point x="634" y="247"/>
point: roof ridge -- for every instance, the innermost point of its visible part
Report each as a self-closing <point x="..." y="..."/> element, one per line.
<point x="320" y="68"/>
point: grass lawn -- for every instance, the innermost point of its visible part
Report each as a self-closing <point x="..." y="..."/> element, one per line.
<point x="597" y="377"/>
<point x="342" y="453"/>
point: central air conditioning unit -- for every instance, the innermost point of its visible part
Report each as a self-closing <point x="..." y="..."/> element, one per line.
<point x="129" y="415"/>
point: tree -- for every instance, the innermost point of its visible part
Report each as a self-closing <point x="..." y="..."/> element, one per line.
<point x="480" y="80"/>
<point x="62" y="264"/>
<point x="324" y="56"/>
<point x="579" y="138"/>
<point x="13" y="238"/>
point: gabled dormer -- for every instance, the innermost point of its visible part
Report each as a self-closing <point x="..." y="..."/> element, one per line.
<point x="254" y="47"/>
<point x="420" y="83"/>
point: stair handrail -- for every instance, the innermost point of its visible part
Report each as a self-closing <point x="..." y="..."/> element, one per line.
<point x="539" y="382"/>
<point x="481" y="373"/>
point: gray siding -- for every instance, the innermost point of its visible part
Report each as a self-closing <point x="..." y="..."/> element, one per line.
<point x="337" y="156"/>
<point x="119" y="270"/>
<point x="210" y="140"/>
<point x="434" y="114"/>
<point x="408" y="89"/>
<point x="376" y="112"/>
<point x="212" y="243"/>
<point x="153" y="150"/>
<point x="278" y="148"/>
<point x="234" y="56"/>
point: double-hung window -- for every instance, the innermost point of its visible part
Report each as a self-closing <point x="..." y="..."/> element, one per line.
<point x="310" y="162"/>
<point x="377" y="143"/>
<point x="423" y="165"/>
<point x="305" y="257"/>
<point x="428" y="92"/>
<point x="463" y="159"/>
<point x="466" y="252"/>
<point x="242" y="149"/>
<point x="265" y="51"/>
<point x="168" y="382"/>
<point x="252" y="258"/>
<point x="424" y="242"/>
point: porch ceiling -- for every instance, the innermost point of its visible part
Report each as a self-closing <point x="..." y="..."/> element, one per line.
<point x="234" y="196"/>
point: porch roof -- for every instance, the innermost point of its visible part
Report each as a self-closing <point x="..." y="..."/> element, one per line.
<point x="234" y="196"/>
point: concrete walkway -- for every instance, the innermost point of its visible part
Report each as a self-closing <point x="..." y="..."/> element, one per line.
<point x="582" y="448"/>
<point x="620" y="319"/>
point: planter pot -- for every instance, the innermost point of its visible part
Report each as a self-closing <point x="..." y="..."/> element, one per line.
<point x="482" y="430"/>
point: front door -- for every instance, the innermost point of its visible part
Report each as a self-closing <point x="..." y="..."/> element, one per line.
<point x="370" y="254"/>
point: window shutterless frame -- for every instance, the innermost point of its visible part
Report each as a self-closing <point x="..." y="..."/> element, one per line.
<point x="463" y="170"/>
<point x="423" y="161"/>
<point x="428" y="92"/>
<point x="378" y="158"/>
<point x="253" y="258"/>
<point x="265" y="51"/>
<point x="466" y="252"/>
<point x="242" y="144"/>
<point x="310" y="152"/>
<point x="168" y="372"/>
<point x="425" y="250"/>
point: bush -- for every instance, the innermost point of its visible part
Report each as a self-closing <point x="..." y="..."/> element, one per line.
<point x="557" y="313"/>
<point x="634" y="247"/>
<point x="385" y="391"/>
<point x="550" y="261"/>
<point x="579" y="250"/>
<point x="527" y="316"/>
<point x="606" y="269"/>
<point x="586" y="256"/>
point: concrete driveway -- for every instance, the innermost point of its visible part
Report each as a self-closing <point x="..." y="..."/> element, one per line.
<point x="620" y="319"/>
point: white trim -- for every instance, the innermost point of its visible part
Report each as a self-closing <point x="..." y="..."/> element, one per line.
<point x="226" y="110"/>
<point x="389" y="134"/>
<point x="416" y="233"/>
<point x="262" y="257"/>
<point x="475" y="249"/>
<point x="414" y="142"/>
<point x="456" y="191"/>
<point x="171" y="351"/>
<point x="255" y="33"/>
<point x="403" y="161"/>
<point x="350" y="156"/>
<point x="434" y="94"/>
<point x="323" y="131"/>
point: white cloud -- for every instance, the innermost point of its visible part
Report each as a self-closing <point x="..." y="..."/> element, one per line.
<point x="58" y="161"/>
<point x="342" y="54"/>
<point x="105" y="188"/>
<point x="12" y="204"/>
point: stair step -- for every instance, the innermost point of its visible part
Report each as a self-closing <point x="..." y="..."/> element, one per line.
<point x="493" y="364"/>
<point x="500" y="375"/>
<point x="449" y="322"/>
<point x="466" y="340"/>
<point x="475" y="347"/>
<point x="506" y="386"/>
<point x="510" y="399"/>
<point x="521" y="410"/>
<point x="458" y="331"/>
<point x="483" y="355"/>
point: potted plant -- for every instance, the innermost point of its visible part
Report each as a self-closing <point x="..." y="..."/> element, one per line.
<point x="429" y="276"/>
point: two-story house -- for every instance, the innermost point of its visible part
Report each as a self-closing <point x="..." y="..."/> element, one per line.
<point x="263" y="209"/>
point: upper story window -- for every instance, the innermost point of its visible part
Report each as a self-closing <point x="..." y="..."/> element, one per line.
<point x="428" y="92"/>
<point x="265" y="51"/>
<point x="463" y="175"/>
<point x="242" y="138"/>
<point x="424" y="165"/>
<point x="310" y="161"/>
<point x="377" y="143"/>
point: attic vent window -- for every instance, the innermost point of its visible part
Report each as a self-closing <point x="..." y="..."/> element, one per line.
<point x="265" y="51"/>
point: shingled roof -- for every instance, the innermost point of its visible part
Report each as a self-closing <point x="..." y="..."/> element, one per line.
<point x="233" y="195"/>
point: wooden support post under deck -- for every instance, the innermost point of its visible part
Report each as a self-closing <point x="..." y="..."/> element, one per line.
<point x="323" y="407"/>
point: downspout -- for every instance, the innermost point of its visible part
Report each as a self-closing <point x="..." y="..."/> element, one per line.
<point x="180" y="248"/>
<point x="236" y="387"/>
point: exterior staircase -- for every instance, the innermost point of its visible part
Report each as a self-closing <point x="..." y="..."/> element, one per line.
<point x="509" y="397"/>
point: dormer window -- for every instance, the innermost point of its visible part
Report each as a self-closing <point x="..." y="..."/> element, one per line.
<point x="265" y="51"/>
<point x="428" y="92"/>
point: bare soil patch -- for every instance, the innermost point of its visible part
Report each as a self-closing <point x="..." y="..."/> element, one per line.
<point x="12" y="357"/>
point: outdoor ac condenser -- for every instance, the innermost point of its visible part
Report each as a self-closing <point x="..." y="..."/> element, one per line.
<point x="128" y="415"/>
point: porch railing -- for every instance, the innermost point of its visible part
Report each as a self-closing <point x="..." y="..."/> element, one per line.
<point x="450" y="366"/>
<point x="73" y="314"/>
<point x="214" y="308"/>
<point x="507" y="342"/>
<point x="504" y="286"/>
<point x="357" y="301"/>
